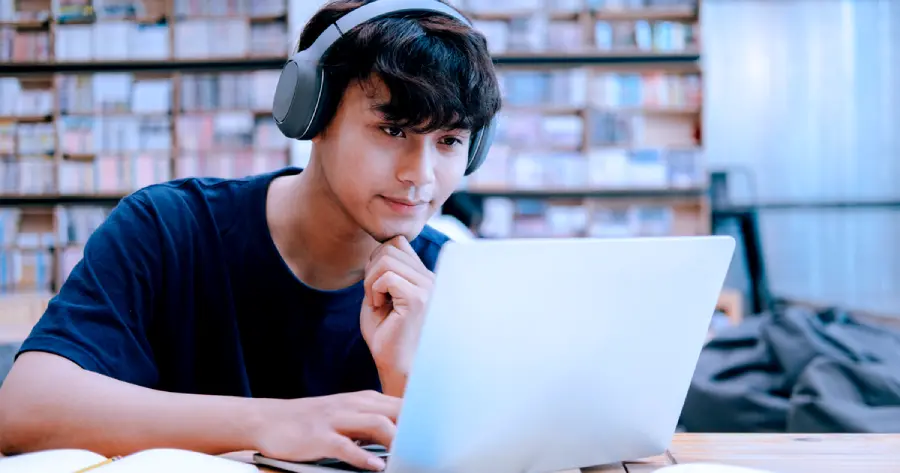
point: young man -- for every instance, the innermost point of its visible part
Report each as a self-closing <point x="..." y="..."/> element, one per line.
<point x="280" y="312"/>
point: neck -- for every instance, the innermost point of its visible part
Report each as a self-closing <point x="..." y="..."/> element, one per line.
<point x="321" y="244"/>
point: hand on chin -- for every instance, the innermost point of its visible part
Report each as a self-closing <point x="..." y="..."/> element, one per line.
<point x="397" y="289"/>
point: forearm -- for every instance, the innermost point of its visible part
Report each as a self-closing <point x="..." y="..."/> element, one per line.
<point x="49" y="403"/>
<point x="393" y="382"/>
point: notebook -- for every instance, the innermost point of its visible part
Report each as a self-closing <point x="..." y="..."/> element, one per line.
<point x="148" y="461"/>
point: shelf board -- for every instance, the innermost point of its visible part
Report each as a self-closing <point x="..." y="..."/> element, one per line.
<point x="543" y="109"/>
<point x="170" y="65"/>
<point x="115" y="114"/>
<point x="268" y="18"/>
<point x="573" y="193"/>
<point x="59" y="199"/>
<point x="26" y="118"/>
<point x="576" y="110"/>
<point x="650" y="110"/>
<point x="628" y="194"/>
<point x="89" y="20"/>
<point x="25" y="24"/>
<point x="586" y="57"/>
<point x="686" y="14"/>
<point x="596" y="57"/>
<point x="522" y="13"/>
<point x="90" y="156"/>
<point x="252" y="19"/>
<point x="255" y="112"/>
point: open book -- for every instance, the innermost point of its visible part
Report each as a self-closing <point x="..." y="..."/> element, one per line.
<point x="148" y="461"/>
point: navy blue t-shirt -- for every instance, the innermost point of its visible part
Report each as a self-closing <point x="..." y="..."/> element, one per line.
<point x="183" y="290"/>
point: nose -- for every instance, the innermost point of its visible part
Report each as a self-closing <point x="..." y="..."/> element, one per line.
<point x="417" y="166"/>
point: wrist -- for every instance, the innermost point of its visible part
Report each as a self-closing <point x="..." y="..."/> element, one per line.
<point x="393" y="381"/>
<point x="257" y="417"/>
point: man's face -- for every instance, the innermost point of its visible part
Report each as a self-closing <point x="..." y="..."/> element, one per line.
<point x="389" y="180"/>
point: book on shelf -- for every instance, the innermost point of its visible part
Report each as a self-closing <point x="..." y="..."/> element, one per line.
<point x="572" y="218"/>
<point x="35" y="139"/>
<point x="500" y="6"/>
<point x="647" y="89"/>
<point x="553" y="87"/>
<point x="535" y="130"/>
<point x="532" y="33"/>
<point x="111" y="40"/>
<point x="27" y="175"/>
<point x="639" y="4"/>
<point x="645" y="35"/>
<point x="18" y="10"/>
<point x="26" y="260"/>
<point x="74" y="225"/>
<point x="204" y="38"/>
<point x="228" y="91"/>
<point x="25" y="270"/>
<point x="7" y="138"/>
<point x="7" y="10"/>
<point x="21" y="100"/>
<point x="110" y="93"/>
<point x="251" y="8"/>
<point x="113" y="173"/>
<point x="68" y="10"/>
<point x="269" y="39"/>
<point x="228" y="144"/>
<point x="106" y="9"/>
<point x="604" y="168"/>
<point x="24" y="45"/>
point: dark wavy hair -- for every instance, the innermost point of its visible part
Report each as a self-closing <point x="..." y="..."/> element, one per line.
<point x="438" y="71"/>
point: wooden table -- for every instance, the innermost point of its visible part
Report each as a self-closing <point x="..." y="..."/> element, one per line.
<point x="776" y="453"/>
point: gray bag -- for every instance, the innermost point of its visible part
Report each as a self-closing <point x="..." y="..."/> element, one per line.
<point x="797" y="371"/>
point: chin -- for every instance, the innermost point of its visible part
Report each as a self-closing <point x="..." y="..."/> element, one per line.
<point x="383" y="233"/>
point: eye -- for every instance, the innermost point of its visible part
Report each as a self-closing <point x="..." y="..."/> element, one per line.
<point x="451" y="141"/>
<point x="393" y="131"/>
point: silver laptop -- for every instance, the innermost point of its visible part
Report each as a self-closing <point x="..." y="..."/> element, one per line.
<point x="545" y="355"/>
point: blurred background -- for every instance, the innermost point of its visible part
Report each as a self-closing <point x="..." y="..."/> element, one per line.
<point x="770" y="120"/>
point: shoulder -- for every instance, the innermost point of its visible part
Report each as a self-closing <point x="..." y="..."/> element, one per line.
<point x="428" y="245"/>
<point x="201" y="201"/>
<point x="192" y="191"/>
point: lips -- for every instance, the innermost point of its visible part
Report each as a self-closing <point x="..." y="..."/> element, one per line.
<point x="404" y="206"/>
<point x="404" y="202"/>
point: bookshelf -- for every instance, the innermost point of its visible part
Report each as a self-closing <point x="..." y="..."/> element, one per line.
<point x="600" y="136"/>
<point x="100" y="98"/>
<point x="601" y="132"/>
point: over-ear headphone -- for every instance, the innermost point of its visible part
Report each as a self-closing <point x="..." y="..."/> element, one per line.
<point x="300" y="109"/>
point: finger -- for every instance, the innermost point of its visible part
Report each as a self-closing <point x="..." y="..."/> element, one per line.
<point x="398" y="287"/>
<point x="346" y="450"/>
<point x="376" y="299"/>
<point x="372" y="428"/>
<point x="400" y="248"/>
<point x="413" y="262"/>
<point x="374" y="402"/>
<point x="390" y="263"/>
<point x="402" y="244"/>
<point x="404" y="295"/>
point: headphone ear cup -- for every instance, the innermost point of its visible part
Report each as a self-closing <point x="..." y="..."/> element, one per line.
<point x="323" y="111"/>
<point x="299" y="97"/>
<point x="481" y="145"/>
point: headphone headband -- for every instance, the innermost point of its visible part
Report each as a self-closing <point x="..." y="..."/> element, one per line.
<point x="374" y="10"/>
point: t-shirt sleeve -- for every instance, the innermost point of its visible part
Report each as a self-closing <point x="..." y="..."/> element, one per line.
<point x="101" y="315"/>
